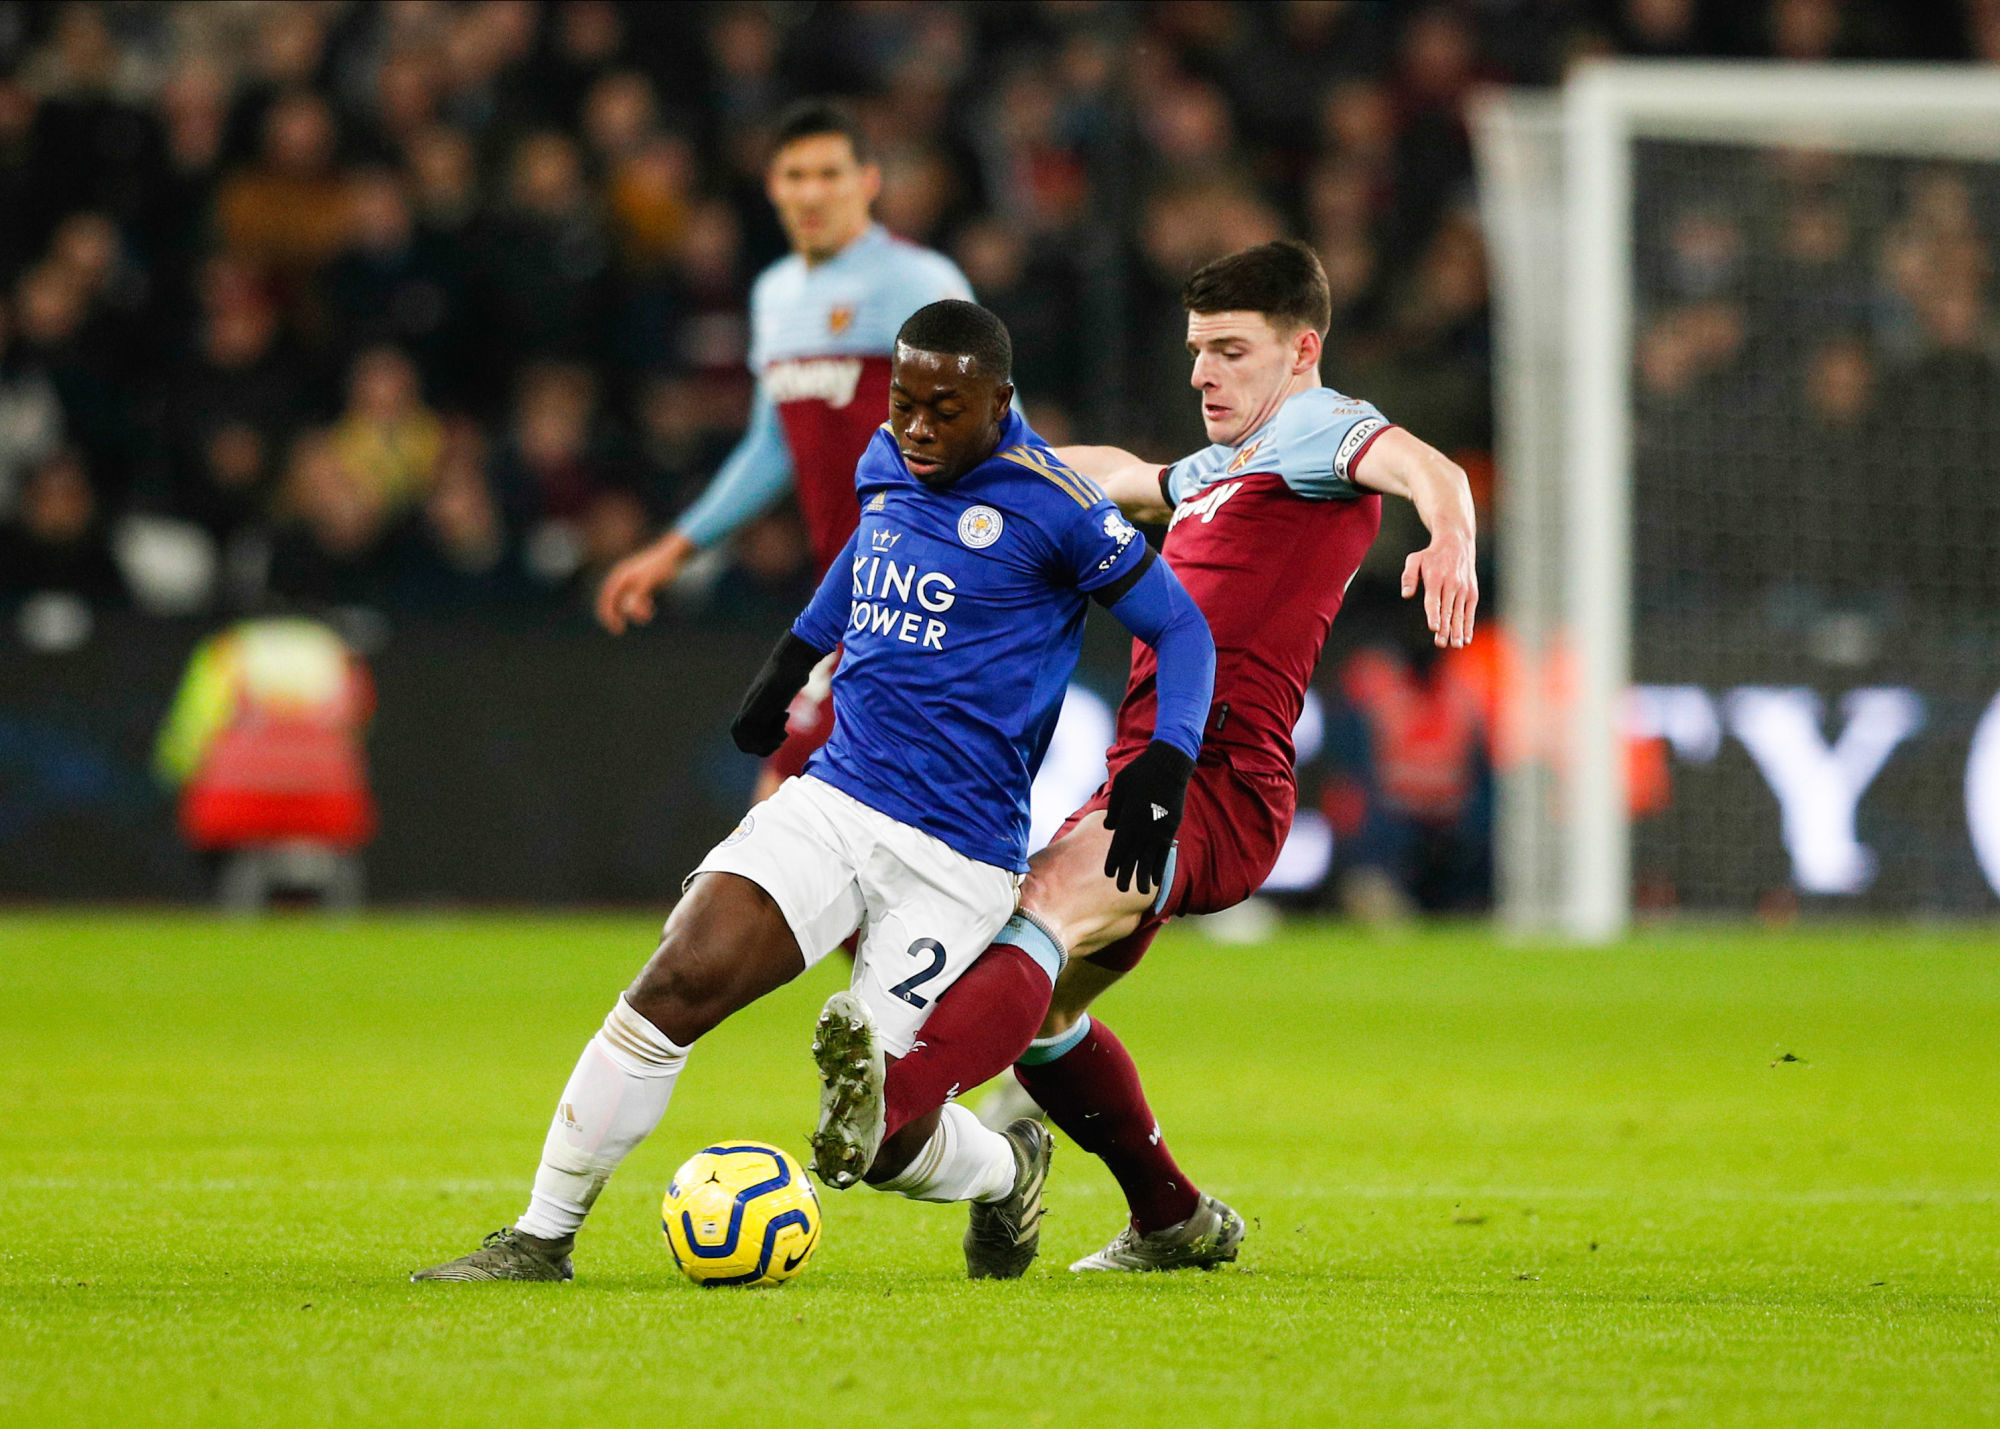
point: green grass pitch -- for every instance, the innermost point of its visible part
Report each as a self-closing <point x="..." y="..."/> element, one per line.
<point x="1488" y="1185"/>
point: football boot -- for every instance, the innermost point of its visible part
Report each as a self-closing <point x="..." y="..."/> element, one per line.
<point x="1001" y="1241"/>
<point x="1201" y="1242"/>
<point x="851" y="1108"/>
<point x="508" y="1254"/>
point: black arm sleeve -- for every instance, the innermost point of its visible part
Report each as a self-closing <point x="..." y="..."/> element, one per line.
<point x="759" y="727"/>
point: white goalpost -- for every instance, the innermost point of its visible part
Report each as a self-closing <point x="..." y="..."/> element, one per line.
<point x="1642" y="194"/>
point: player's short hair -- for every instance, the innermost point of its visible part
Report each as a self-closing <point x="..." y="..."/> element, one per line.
<point x="1283" y="280"/>
<point x="963" y="329"/>
<point x="807" y="118"/>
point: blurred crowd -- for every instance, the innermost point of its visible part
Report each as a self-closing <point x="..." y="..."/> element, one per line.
<point x="440" y="306"/>
<point x="1817" y="374"/>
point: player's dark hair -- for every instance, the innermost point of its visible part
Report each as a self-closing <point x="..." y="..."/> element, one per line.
<point x="1283" y="280"/>
<point x="809" y="117"/>
<point x="964" y="330"/>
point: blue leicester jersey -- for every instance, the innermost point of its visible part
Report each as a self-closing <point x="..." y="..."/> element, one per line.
<point x="961" y="613"/>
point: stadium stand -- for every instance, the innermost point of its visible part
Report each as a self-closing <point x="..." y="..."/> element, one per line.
<point x="438" y="308"/>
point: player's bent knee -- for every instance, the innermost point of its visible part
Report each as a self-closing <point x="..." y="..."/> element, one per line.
<point x="1059" y="1021"/>
<point x="685" y="990"/>
<point x="680" y="999"/>
<point x="725" y="946"/>
<point x="1081" y="983"/>
<point x="1068" y="890"/>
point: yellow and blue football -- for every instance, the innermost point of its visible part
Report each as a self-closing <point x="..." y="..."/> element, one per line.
<point x="740" y="1213"/>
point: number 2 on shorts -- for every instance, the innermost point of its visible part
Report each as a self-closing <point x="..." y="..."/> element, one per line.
<point x="907" y="988"/>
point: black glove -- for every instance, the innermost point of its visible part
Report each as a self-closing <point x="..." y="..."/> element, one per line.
<point x="759" y="727"/>
<point x="1143" y="814"/>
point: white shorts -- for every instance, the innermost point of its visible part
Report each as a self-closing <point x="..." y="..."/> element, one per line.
<point x="832" y="865"/>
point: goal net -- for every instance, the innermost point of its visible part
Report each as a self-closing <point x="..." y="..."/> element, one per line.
<point x="1749" y="525"/>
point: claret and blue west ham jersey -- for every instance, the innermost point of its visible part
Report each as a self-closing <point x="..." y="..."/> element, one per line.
<point x="961" y="616"/>
<point x="1266" y="536"/>
<point x="821" y="337"/>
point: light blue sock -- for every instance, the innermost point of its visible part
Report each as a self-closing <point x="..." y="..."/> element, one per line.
<point x="1047" y="1049"/>
<point x="1033" y="937"/>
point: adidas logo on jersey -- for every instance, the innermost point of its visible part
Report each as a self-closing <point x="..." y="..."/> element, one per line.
<point x="1158" y="813"/>
<point x="831" y="380"/>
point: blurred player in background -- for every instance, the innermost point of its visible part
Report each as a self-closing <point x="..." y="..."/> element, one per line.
<point x="961" y="598"/>
<point x="1268" y="527"/>
<point x="822" y="328"/>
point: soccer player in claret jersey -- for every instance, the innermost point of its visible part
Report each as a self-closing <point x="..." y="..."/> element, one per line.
<point x="1268" y="526"/>
<point x="822" y="324"/>
<point x="960" y="599"/>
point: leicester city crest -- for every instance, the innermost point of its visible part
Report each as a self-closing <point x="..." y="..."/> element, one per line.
<point x="979" y="527"/>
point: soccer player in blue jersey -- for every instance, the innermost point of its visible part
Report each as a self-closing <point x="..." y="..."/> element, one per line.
<point x="960" y="599"/>
<point x="822" y="322"/>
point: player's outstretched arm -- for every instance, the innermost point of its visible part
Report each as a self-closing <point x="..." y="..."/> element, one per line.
<point x="1130" y="482"/>
<point x="626" y="597"/>
<point x="759" y="726"/>
<point x="1147" y="797"/>
<point x="756" y="474"/>
<point x="1398" y="464"/>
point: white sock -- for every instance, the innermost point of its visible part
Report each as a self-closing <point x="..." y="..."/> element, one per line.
<point x="963" y="1161"/>
<point x="614" y="1099"/>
